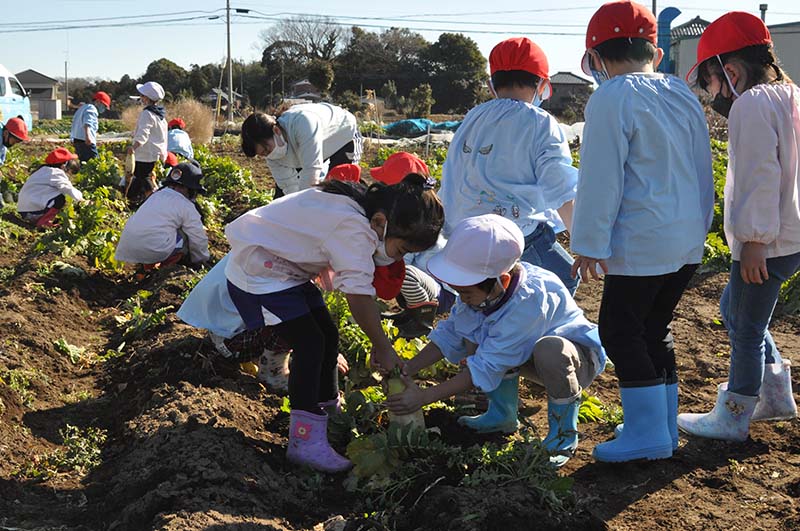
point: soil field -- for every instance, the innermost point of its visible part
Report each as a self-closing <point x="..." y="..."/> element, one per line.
<point x="194" y="444"/>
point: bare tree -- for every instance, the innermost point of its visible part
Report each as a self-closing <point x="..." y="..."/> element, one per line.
<point x="313" y="37"/>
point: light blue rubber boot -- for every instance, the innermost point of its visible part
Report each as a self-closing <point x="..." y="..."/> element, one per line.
<point x="502" y="412"/>
<point x="672" y="414"/>
<point x="646" y="434"/>
<point x="562" y="435"/>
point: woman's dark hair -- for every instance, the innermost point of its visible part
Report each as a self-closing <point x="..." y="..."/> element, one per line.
<point x="71" y="166"/>
<point x="256" y="128"/>
<point x="756" y="60"/>
<point x="412" y="208"/>
<point x="512" y="78"/>
<point x="624" y="50"/>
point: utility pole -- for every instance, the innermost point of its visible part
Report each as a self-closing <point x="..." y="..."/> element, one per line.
<point x="230" y="66"/>
<point x="66" y="88"/>
<point x="654" y="9"/>
<point x="763" y="8"/>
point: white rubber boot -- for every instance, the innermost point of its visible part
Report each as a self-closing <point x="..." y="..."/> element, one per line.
<point x="775" y="400"/>
<point x="728" y="421"/>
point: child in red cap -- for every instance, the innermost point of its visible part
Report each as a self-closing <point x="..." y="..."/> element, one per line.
<point x="44" y="193"/>
<point x="85" y="124"/>
<point x="737" y="66"/>
<point x="421" y="296"/>
<point x="178" y="140"/>
<point x="14" y="131"/>
<point x="644" y="205"/>
<point x="511" y="158"/>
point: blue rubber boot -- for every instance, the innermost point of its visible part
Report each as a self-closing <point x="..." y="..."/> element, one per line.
<point x="646" y="434"/>
<point x="502" y="412"/>
<point x="672" y="414"/>
<point x="562" y="435"/>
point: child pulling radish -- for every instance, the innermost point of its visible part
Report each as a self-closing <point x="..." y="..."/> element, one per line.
<point x="277" y="250"/>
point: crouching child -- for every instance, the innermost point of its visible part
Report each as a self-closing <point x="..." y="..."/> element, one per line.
<point x="45" y="192"/>
<point x="511" y="318"/>
<point x="167" y="227"/>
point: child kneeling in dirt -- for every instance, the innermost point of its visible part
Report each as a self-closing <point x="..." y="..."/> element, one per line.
<point x="511" y="318"/>
<point x="343" y="230"/>
<point x="44" y="193"/>
<point x="167" y="226"/>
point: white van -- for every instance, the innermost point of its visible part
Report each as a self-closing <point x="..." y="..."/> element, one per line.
<point x="14" y="100"/>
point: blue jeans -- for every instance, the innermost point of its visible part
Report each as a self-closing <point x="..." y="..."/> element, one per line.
<point x="542" y="249"/>
<point x="84" y="150"/>
<point x="746" y="311"/>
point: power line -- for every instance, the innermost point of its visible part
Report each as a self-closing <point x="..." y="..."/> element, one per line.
<point x="413" y="28"/>
<point x="165" y="22"/>
<point x="126" y="17"/>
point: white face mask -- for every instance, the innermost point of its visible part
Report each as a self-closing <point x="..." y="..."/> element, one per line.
<point x="381" y="258"/>
<point x="279" y="149"/>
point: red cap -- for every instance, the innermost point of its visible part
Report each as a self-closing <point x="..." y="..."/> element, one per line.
<point x="397" y="166"/>
<point x="102" y="97"/>
<point x="519" y="53"/>
<point x="730" y="32"/>
<point x="17" y="127"/>
<point x="616" y="20"/>
<point x="176" y="122"/>
<point x="172" y="160"/>
<point x="344" y="172"/>
<point x="60" y="156"/>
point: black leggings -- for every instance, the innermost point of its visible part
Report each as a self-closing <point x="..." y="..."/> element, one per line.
<point x="141" y="181"/>
<point x="314" y="340"/>
<point x="635" y="323"/>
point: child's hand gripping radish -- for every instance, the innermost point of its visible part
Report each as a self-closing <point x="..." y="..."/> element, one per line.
<point x="404" y="399"/>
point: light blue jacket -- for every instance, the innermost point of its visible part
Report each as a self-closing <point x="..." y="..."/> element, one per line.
<point x="646" y="192"/>
<point x="509" y="158"/>
<point x="210" y="306"/>
<point x="85" y="115"/>
<point x="539" y="306"/>
<point x="3" y="151"/>
<point x="178" y="142"/>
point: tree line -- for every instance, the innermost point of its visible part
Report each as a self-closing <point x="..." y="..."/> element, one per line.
<point x="410" y="73"/>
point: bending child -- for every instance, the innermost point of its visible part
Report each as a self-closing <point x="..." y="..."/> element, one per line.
<point x="343" y="229"/>
<point x="421" y="296"/>
<point x="511" y="318"/>
<point x="45" y="192"/>
<point x="167" y="226"/>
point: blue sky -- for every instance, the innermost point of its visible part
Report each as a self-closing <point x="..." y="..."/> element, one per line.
<point x="111" y="52"/>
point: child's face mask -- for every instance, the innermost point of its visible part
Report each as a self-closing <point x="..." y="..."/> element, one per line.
<point x="600" y="76"/>
<point x="279" y="147"/>
<point x="490" y="302"/>
<point x="381" y="257"/>
<point x="722" y="104"/>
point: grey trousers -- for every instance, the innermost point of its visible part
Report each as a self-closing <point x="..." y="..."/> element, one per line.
<point x="562" y="367"/>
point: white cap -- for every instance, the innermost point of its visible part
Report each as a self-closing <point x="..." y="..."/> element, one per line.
<point x="480" y="247"/>
<point x="152" y="90"/>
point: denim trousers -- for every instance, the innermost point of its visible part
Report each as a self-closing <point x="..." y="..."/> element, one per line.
<point x="746" y="311"/>
<point x="542" y="249"/>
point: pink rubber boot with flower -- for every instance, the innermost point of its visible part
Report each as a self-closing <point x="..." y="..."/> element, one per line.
<point x="308" y="443"/>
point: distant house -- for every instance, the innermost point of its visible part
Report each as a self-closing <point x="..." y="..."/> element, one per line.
<point x="304" y="90"/>
<point x="38" y="85"/>
<point x="43" y="92"/>
<point x="683" y="52"/>
<point x="567" y="88"/>
<point x="683" y="47"/>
